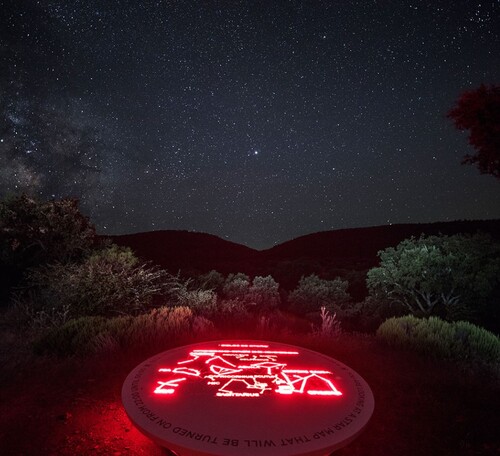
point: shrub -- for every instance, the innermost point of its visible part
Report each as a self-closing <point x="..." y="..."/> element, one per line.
<point x="92" y="335"/>
<point x="263" y="294"/>
<point x="374" y="311"/>
<point x="202" y="302"/>
<point x="75" y="336"/>
<point x="441" y="339"/>
<point x="34" y="233"/>
<point x="26" y="314"/>
<point x="330" y="327"/>
<point x="236" y="286"/>
<point x="452" y="276"/>
<point x="232" y="312"/>
<point x="212" y="280"/>
<point x="109" y="282"/>
<point x="313" y="293"/>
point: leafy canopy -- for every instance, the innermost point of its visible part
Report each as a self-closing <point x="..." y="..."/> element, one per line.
<point x="479" y="112"/>
<point x="313" y="293"/>
<point x="437" y="272"/>
<point x="34" y="232"/>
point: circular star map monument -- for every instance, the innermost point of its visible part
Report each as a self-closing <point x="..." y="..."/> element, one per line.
<point x="247" y="398"/>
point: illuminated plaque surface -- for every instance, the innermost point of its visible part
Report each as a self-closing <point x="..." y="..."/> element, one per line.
<point x="228" y="398"/>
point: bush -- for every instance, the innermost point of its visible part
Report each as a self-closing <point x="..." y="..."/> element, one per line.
<point x="450" y="276"/>
<point x="232" y="312"/>
<point x="236" y="286"/>
<point x="330" y="327"/>
<point x="34" y="233"/>
<point x="263" y="294"/>
<point x="93" y="335"/>
<point x="438" y="338"/>
<point x="26" y="315"/>
<point x="212" y="280"/>
<point x="313" y="293"/>
<point x="109" y="282"/>
<point x="202" y="302"/>
<point x="374" y="311"/>
<point x="259" y="295"/>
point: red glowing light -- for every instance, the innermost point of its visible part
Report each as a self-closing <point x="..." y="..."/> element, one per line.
<point x="241" y="370"/>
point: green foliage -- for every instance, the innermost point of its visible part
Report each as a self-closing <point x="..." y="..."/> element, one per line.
<point x="232" y="312"/>
<point x="201" y="302"/>
<point x="34" y="232"/>
<point x="108" y="282"/>
<point x="313" y="293"/>
<point x="259" y="295"/>
<point x="479" y="112"/>
<point x="374" y="311"/>
<point x="26" y="315"/>
<point x="236" y="286"/>
<point x="91" y="335"/>
<point x="263" y="294"/>
<point x="212" y="280"/>
<point x="441" y="339"/>
<point x="447" y="275"/>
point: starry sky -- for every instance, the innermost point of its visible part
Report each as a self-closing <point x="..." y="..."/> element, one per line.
<point x="256" y="121"/>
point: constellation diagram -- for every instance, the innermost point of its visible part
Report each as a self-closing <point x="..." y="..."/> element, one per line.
<point x="246" y="370"/>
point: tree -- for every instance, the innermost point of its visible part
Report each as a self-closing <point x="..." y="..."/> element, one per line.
<point x="479" y="112"/>
<point x="313" y="293"/>
<point x="438" y="274"/>
<point x="33" y="233"/>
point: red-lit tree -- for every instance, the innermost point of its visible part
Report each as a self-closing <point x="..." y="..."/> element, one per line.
<point x="479" y="112"/>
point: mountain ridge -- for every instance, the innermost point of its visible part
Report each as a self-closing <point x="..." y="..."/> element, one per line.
<point x="347" y="252"/>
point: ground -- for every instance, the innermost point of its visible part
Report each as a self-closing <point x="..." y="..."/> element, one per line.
<point x="422" y="407"/>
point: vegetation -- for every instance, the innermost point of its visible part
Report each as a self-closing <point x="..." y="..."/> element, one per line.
<point x="437" y="338"/>
<point x="313" y="293"/>
<point x="263" y="293"/>
<point x="479" y="112"/>
<point x="330" y="327"/>
<point x="452" y="276"/>
<point x="34" y="233"/>
<point x="79" y="295"/>
<point x="91" y="335"/>
<point x="212" y="280"/>
<point x="108" y="282"/>
<point x="236" y="286"/>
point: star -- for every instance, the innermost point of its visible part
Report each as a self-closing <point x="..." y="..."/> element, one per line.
<point x="228" y="120"/>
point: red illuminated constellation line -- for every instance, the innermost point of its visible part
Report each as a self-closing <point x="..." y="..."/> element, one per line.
<point x="236" y="374"/>
<point x="302" y="378"/>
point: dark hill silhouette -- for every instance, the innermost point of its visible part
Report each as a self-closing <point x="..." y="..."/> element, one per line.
<point x="366" y="242"/>
<point x="348" y="253"/>
<point x="187" y="251"/>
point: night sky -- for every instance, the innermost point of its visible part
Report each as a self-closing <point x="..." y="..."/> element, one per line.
<point x="256" y="121"/>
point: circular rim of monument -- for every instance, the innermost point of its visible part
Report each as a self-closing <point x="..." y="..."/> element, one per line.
<point x="247" y="397"/>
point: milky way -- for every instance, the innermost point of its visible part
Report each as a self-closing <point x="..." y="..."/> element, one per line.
<point x="257" y="121"/>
